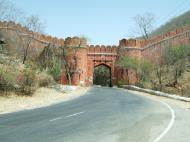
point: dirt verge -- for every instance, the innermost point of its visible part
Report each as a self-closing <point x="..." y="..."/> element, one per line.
<point x="41" y="98"/>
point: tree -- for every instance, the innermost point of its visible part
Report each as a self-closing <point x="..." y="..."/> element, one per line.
<point x="144" y="24"/>
<point x="70" y="65"/>
<point x="47" y="58"/>
<point x="171" y="65"/>
<point x="34" y="25"/>
<point x="50" y="61"/>
<point x="160" y="69"/>
<point x="4" y="8"/>
<point x="141" y="66"/>
<point x="8" y="12"/>
<point x="176" y="59"/>
<point x="13" y="15"/>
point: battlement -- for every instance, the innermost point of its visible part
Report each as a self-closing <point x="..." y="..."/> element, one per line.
<point x="90" y="56"/>
<point x="132" y="43"/>
<point x="102" y="49"/>
<point x="141" y="43"/>
<point x="169" y="34"/>
<point x="75" y="42"/>
<point x="18" y="27"/>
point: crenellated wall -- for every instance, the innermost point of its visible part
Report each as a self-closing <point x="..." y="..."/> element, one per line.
<point x="153" y="51"/>
<point x="102" y="55"/>
<point x="18" y="28"/>
<point x="91" y="56"/>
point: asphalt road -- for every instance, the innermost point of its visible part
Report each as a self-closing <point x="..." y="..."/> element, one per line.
<point x="103" y="115"/>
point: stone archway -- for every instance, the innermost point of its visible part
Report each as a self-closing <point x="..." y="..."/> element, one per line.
<point x="101" y="55"/>
<point x="102" y="75"/>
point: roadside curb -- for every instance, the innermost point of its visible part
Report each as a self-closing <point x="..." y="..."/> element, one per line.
<point x="157" y="93"/>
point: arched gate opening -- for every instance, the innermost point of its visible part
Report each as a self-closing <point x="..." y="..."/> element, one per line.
<point x="102" y="75"/>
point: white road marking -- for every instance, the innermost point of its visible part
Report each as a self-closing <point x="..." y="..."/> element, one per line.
<point x="169" y="125"/>
<point x="171" y="121"/>
<point x="55" y="119"/>
<point x="74" y="114"/>
<point x="58" y="118"/>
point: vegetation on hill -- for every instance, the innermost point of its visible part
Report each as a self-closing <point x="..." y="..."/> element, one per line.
<point x="24" y="66"/>
<point x="20" y="71"/>
<point x="19" y="78"/>
<point x="175" y="23"/>
<point x="169" y="74"/>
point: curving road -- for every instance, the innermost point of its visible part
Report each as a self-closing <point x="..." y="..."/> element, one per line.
<point x="103" y="115"/>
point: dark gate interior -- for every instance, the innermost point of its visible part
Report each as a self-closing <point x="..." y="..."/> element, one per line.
<point x="102" y="75"/>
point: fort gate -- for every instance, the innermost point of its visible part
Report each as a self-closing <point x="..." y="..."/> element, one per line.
<point x="92" y="56"/>
<point x="102" y="55"/>
<point x="85" y="58"/>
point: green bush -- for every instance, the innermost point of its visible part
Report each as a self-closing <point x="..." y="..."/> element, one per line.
<point x="122" y="82"/>
<point x="140" y="84"/>
<point x="55" y="71"/>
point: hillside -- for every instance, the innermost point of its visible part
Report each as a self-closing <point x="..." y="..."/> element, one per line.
<point x="175" y="23"/>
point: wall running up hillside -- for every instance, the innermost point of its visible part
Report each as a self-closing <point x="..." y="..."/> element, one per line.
<point x="89" y="56"/>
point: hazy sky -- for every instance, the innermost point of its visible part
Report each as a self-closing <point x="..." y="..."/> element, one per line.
<point x="102" y="21"/>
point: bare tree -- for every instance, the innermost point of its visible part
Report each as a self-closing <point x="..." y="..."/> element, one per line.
<point x="3" y="9"/>
<point x="144" y="24"/>
<point x="160" y="70"/>
<point x="34" y="25"/>
<point x="8" y="12"/>
<point x="70" y="66"/>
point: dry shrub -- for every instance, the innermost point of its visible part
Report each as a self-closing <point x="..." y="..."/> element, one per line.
<point x="7" y="79"/>
<point x="45" y="80"/>
<point x="186" y="91"/>
<point x="28" y="82"/>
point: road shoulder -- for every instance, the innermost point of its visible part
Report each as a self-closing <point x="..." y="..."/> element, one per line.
<point x="42" y="97"/>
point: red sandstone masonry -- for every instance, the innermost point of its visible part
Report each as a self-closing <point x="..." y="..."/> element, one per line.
<point x="39" y="36"/>
<point x="90" y="56"/>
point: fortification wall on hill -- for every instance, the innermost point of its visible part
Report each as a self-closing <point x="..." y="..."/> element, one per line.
<point x="90" y="56"/>
<point x="141" y="43"/>
<point x="18" y="28"/>
<point x="152" y="48"/>
<point x="153" y="51"/>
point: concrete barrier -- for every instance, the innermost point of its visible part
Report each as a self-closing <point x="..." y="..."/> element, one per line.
<point x="157" y="93"/>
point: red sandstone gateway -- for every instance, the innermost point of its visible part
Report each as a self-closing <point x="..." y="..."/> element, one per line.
<point x="92" y="56"/>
